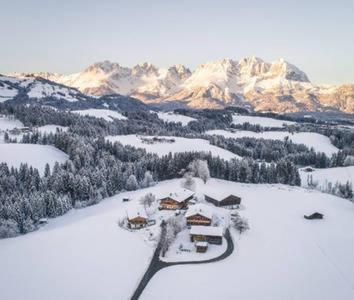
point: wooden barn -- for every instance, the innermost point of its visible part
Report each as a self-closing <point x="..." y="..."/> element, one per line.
<point x="227" y="200"/>
<point x="199" y="214"/>
<point x="176" y="200"/>
<point x="137" y="218"/>
<point x="212" y="235"/>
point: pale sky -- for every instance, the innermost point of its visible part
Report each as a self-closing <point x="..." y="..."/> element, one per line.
<point x="67" y="36"/>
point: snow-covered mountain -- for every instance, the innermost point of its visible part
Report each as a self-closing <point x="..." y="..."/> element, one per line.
<point x="36" y="88"/>
<point x="251" y="82"/>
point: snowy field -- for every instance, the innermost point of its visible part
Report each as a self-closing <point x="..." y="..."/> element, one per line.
<point x="34" y="155"/>
<point x="180" y="145"/>
<point x="323" y="176"/>
<point x="85" y="255"/>
<point x="51" y="129"/>
<point x="8" y="123"/>
<point x="317" y="141"/>
<point x="262" y="121"/>
<point x="173" y="117"/>
<point x="282" y="256"/>
<point x="106" y="114"/>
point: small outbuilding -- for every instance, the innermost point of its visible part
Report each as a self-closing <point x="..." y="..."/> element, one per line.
<point x="137" y="218"/>
<point x="210" y="234"/>
<point x="201" y="247"/>
<point x="223" y="200"/>
<point x="199" y="214"/>
<point x="176" y="200"/>
<point x="314" y="216"/>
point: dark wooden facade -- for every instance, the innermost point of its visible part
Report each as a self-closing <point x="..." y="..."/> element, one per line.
<point x="201" y="247"/>
<point x="227" y="201"/>
<point x="216" y="240"/>
<point x="198" y="219"/>
<point x="170" y="203"/>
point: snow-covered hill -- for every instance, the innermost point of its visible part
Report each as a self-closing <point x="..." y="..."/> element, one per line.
<point x="167" y="144"/>
<point x="282" y="256"/>
<point x="33" y="87"/>
<point x="318" y="142"/>
<point x="251" y="82"/>
<point x="34" y="155"/>
<point x="322" y="177"/>
<point x="106" y="114"/>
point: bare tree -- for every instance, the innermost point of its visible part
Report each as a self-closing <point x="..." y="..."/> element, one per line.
<point x="240" y="224"/>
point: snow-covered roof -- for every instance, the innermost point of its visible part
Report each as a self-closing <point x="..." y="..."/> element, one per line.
<point x="134" y="212"/>
<point x="180" y="195"/>
<point x="201" y="244"/>
<point x="206" y="230"/>
<point x="219" y="195"/>
<point x="200" y="209"/>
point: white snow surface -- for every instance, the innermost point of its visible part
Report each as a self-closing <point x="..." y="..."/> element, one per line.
<point x="7" y="92"/>
<point x="180" y="145"/>
<point x="262" y="121"/>
<point x="282" y="256"/>
<point x="9" y="122"/>
<point x="51" y="128"/>
<point x="173" y="117"/>
<point x="106" y="114"/>
<point x="319" y="142"/>
<point x="85" y="255"/>
<point x="323" y="176"/>
<point x="34" y="155"/>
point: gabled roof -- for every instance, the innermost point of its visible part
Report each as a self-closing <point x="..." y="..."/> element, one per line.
<point x="219" y="196"/>
<point x="206" y="230"/>
<point x="200" y="209"/>
<point x="135" y="212"/>
<point x="179" y="195"/>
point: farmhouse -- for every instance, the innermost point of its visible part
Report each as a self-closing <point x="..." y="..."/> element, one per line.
<point x="137" y="218"/>
<point x="176" y="200"/>
<point x="223" y="200"/>
<point x="199" y="214"/>
<point x="212" y="235"/>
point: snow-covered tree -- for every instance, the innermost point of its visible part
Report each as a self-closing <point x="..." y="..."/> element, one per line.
<point x="148" y="180"/>
<point x="132" y="183"/>
<point x="240" y="224"/>
<point x="149" y="202"/>
<point x="200" y="169"/>
<point x="188" y="181"/>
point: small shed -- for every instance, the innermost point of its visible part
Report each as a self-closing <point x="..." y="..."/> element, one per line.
<point x="223" y="200"/>
<point x="199" y="214"/>
<point x="201" y="247"/>
<point x="314" y="216"/>
<point x="176" y="200"/>
<point x="137" y="218"/>
<point x="212" y="235"/>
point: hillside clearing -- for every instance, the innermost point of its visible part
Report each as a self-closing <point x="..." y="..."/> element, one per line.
<point x="319" y="142"/>
<point x="179" y="145"/>
<point x="106" y="114"/>
<point x="34" y="155"/>
<point x="261" y="121"/>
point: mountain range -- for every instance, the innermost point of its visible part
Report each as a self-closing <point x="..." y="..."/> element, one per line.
<point x="250" y="82"/>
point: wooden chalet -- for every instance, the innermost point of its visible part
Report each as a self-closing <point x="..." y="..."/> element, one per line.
<point x="176" y="200"/>
<point x="199" y="214"/>
<point x="229" y="200"/>
<point x="137" y="218"/>
<point x="210" y="234"/>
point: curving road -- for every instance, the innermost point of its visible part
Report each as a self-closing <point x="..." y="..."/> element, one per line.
<point x="156" y="264"/>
